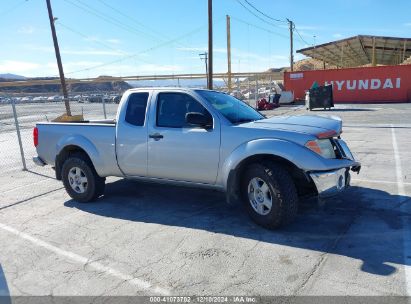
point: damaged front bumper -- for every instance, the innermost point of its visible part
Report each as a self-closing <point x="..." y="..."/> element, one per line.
<point x="329" y="183"/>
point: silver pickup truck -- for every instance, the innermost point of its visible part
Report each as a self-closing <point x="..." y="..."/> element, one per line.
<point x="202" y="138"/>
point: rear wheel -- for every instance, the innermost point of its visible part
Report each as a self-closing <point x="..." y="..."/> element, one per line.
<point x="270" y="195"/>
<point x="81" y="180"/>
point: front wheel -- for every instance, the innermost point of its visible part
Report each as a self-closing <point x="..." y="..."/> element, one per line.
<point x="81" y="180"/>
<point x="270" y="195"/>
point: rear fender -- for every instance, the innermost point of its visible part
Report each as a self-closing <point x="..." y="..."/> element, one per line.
<point x="84" y="144"/>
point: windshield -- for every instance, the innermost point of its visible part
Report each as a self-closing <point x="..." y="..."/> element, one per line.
<point x="232" y="108"/>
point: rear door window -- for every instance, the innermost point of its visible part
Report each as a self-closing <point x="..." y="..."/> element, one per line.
<point x="136" y="109"/>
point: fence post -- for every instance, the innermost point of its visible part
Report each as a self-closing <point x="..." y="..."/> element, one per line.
<point x="249" y="91"/>
<point x="16" y="122"/>
<point x="104" y="107"/>
<point x="256" y="91"/>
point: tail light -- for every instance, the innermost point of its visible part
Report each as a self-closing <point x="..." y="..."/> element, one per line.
<point x="36" y="136"/>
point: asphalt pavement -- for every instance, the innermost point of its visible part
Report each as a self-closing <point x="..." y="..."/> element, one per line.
<point x="147" y="239"/>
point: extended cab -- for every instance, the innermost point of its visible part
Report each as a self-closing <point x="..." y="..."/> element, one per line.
<point x="205" y="139"/>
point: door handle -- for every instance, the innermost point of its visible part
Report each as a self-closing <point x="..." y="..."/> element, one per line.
<point x="156" y="136"/>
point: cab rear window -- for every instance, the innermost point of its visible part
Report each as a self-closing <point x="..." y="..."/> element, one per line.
<point x="136" y="109"/>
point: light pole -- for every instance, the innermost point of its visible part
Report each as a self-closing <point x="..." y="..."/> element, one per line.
<point x="210" y="45"/>
<point x="204" y="56"/>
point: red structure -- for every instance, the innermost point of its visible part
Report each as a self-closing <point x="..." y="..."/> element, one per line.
<point x="362" y="84"/>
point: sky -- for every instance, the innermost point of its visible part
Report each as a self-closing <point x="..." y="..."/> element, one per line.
<point x="153" y="37"/>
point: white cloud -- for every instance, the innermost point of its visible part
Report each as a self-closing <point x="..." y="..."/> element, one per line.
<point x="302" y="27"/>
<point x="27" y="30"/>
<point x="113" y="41"/>
<point x="241" y="60"/>
<point x="101" y="40"/>
<point x="117" y="69"/>
<point x="154" y="68"/>
<point x="14" y="66"/>
<point x="83" y="52"/>
<point x="408" y="24"/>
<point x="73" y="65"/>
<point x="201" y="49"/>
<point x="35" y="69"/>
<point x="299" y="56"/>
<point x="93" y="52"/>
<point x="308" y="27"/>
<point x="337" y="35"/>
<point x="305" y="34"/>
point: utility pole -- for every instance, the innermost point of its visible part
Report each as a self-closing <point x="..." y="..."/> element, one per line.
<point x="59" y="64"/>
<point x="229" y="54"/>
<point x="210" y="44"/>
<point x="204" y="56"/>
<point x="291" y="24"/>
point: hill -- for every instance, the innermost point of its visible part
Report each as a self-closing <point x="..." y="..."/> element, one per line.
<point x="310" y="64"/>
<point x="9" y="76"/>
<point x="108" y="86"/>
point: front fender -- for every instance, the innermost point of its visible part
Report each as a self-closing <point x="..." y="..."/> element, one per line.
<point x="83" y="143"/>
<point x="300" y="156"/>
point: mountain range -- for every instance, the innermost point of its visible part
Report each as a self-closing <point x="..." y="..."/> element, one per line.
<point x="12" y="76"/>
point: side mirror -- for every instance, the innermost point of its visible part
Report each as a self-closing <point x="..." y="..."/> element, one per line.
<point x="199" y="120"/>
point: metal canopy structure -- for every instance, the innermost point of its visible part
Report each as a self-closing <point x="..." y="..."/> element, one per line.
<point x="361" y="50"/>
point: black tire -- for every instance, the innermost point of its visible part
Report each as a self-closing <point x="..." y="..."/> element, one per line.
<point x="95" y="184"/>
<point x="282" y="191"/>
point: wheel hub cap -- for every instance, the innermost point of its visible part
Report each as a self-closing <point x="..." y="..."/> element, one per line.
<point x="259" y="195"/>
<point x="77" y="180"/>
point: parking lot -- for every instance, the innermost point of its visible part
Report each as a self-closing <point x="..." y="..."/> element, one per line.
<point x="146" y="239"/>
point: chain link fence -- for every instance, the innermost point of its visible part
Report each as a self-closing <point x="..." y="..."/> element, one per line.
<point x="30" y="110"/>
<point x="17" y="154"/>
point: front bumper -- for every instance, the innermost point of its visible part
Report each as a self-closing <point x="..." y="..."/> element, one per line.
<point x="329" y="183"/>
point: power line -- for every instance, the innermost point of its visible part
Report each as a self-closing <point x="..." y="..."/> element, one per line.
<point x="269" y="17"/>
<point x="264" y="14"/>
<point x="157" y="33"/>
<point x="299" y="35"/>
<point x="142" y="52"/>
<point x="5" y="12"/>
<point x="259" y="27"/>
<point x="108" y="19"/>
<point x="88" y="38"/>
<point x="255" y="15"/>
<point x="99" y="14"/>
<point x="132" y="19"/>
<point x="99" y="42"/>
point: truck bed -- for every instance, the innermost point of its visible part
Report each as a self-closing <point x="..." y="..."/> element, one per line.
<point x="97" y="137"/>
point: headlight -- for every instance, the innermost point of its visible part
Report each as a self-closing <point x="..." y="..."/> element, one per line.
<point x="322" y="147"/>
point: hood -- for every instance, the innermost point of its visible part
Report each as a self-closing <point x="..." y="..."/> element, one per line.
<point x="319" y="126"/>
